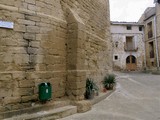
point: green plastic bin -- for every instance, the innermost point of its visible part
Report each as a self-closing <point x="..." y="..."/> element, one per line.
<point x="45" y="91"/>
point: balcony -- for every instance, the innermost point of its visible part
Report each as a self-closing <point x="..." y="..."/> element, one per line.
<point x="150" y="34"/>
<point x="130" y="49"/>
<point x="152" y="54"/>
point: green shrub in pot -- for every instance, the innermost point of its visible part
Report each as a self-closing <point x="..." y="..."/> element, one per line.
<point x="109" y="81"/>
<point x="91" y="87"/>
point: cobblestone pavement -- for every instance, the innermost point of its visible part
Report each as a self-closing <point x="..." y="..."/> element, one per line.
<point x="137" y="97"/>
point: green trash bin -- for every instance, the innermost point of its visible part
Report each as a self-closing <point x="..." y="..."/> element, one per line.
<point x="45" y="91"/>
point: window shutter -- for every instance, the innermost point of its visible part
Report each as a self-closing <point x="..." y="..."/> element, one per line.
<point x="135" y="42"/>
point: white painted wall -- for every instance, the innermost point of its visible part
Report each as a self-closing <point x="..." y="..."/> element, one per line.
<point x="123" y="29"/>
<point x="119" y="34"/>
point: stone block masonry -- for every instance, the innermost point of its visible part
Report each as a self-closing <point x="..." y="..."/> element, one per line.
<point x="62" y="42"/>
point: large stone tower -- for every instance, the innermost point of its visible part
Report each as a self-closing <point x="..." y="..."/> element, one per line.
<point x="58" y="41"/>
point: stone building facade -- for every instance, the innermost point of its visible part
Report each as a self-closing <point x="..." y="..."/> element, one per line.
<point x="128" y="46"/>
<point x="151" y="21"/>
<point x="58" y="41"/>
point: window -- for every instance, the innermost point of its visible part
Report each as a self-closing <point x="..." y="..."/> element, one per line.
<point x="149" y="28"/>
<point x="129" y="27"/>
<point x="140" y="28"/>
<point x="116" y="57"/>
<point x="151" y="48"/>
<point x="129" y="43"/>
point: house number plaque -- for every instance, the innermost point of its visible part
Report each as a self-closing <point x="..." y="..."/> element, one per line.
<point x="5" y="24"/>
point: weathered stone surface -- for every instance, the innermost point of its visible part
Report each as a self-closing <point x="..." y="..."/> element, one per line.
<point x="82" y="106"/>
<point x="26" y="22"/>
<point x="31" y="1"/>
<point x="26" y="83"/>
<point x="29" y="98"/>
<point x="23" y="92"/>
<point x="32" y="29"/>
<point x="5" y="77"/>
<point x="20" y="28"/>
<point x="32" y="18"/>
<point x="11" y="100"/>
<point x="29" y="36"/>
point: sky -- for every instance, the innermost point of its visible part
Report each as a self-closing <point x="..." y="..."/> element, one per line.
<point x="128" y="10"/>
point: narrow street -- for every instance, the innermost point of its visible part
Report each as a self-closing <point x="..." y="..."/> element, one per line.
<point x="137" y="97"/>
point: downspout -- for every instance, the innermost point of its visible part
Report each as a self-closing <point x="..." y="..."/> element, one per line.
<point x="156" y="43"/>
<point x="145" y="58"/>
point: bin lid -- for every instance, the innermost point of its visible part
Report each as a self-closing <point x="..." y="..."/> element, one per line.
<point x="45" y="84"/>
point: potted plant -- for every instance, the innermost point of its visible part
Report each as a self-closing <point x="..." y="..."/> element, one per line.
<point x="104" y="90"/>
<point x="95" y="89"/>
<point x="109" y="81"/>
<point x="91" y="87"/>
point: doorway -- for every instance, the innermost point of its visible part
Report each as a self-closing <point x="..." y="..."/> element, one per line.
<point x="131" y="63"/>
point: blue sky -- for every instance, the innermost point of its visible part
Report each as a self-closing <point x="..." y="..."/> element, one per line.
<point x="128" y="10"/>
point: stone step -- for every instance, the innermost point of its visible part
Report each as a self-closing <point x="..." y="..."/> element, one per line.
<point x="52" y="114"/>
<point x="36" y="108"/>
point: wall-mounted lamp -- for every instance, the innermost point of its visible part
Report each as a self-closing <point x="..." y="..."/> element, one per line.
<point x="116" y="43"/>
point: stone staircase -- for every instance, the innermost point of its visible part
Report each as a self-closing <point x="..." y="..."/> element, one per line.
<point x="49" y="111"/>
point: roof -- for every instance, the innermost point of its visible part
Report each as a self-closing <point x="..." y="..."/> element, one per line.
<point x="149" y="12"/>
<point x="125" y="23"/>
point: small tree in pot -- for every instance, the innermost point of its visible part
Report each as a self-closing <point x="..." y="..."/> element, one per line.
<point x="109" y="81"/>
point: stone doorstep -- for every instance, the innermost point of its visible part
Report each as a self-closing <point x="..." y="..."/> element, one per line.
<point x="48" y="115"/>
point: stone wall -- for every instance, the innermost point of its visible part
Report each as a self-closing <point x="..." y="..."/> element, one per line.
<point x="158" y="28"/>
<point x="62" y="42"/>
<point x="152" y="62"/>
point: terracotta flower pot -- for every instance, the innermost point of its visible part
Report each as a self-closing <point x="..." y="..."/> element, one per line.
<point x="104" y="90"/>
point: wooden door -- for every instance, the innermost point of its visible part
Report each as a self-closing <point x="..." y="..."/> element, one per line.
<point x="131" y="63"/>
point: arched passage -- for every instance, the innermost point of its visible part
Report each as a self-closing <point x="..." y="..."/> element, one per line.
<point x="131" y="63"/>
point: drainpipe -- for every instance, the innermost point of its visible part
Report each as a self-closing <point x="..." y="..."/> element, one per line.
<point x="156" y="43"/>
<point x="145" y="58"/>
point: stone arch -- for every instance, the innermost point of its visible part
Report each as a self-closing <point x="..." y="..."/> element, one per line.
<point x="131" y="63"/>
